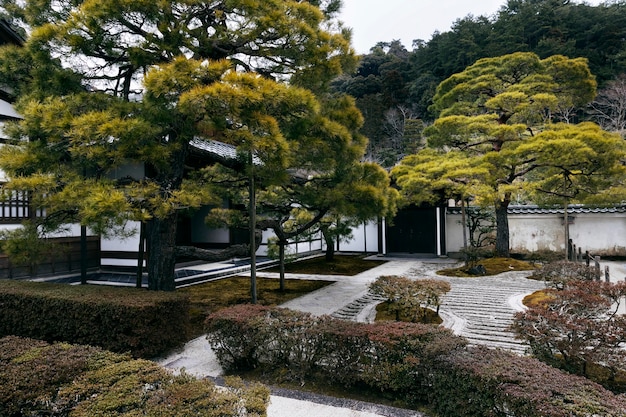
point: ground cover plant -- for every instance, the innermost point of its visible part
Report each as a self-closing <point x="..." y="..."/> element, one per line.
<point x="209" y="297"/>
<point x="493" y="266"/>
<point x="426" y="315"/>
<point x="339" y="265"/>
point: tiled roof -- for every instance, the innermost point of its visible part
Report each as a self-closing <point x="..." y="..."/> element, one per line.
<point x="573" y="209"/>
<point x="219" y="149"/>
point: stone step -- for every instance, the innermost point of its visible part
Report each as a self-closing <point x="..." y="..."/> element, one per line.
<point x="482" y="304"/>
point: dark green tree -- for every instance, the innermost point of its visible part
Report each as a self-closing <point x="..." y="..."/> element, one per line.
<point x="110" y="47"/>
<point x="496" y="126"/>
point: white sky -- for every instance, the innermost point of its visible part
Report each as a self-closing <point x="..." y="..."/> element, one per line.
<point x="374" y="21"/>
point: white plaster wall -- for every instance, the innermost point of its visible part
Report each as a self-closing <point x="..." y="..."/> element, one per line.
<point x="596" y="232"/>
<point x="130" y="244"/>
<point x="454" y="233"/>
<point x="364" y="239"/>
<point x="535" y="232"/>
<point x="70" y="230"/>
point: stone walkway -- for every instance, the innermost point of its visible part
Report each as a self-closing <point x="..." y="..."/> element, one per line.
<point x="480" y="309"/>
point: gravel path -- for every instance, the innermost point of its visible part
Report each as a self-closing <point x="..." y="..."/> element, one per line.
<point x="477" y="308"/>
<point x="480" y="308"/>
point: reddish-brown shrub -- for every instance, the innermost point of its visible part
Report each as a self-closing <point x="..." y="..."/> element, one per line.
<point x="235" y="335"/>
<point x="489" y="382"/>
<point x="577" y="326"/>
<point x="382" y="355"/>
<point x="417" y="363"/>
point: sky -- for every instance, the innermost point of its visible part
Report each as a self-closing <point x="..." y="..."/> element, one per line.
<point x="374" y="21"/>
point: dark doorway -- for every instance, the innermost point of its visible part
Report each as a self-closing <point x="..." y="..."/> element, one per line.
<point x="414" y="230"/>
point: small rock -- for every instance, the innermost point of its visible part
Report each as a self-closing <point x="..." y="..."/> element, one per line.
<point x="477" y="270"/>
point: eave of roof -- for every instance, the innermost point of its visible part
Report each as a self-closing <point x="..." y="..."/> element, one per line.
<point x="572" y="209"/>
<point x="7" y="112"/>
<point x="218" y="150"/>
<point x="9" y="35"/>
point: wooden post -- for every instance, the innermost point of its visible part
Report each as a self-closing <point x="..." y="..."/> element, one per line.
<point x="587" y="257"/>
<point x="607" y="275"/>
<point x="597" y="262"/>
<point x="580" y="254"/>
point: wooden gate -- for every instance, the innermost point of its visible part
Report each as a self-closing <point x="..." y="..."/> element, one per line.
<point x="414" y="230"/>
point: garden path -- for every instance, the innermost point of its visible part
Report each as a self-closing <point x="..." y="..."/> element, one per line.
<point x="478" y="308"/>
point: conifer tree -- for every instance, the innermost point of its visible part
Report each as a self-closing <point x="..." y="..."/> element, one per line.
<point x="507" y="124"/>
<point x="141" y="65"/>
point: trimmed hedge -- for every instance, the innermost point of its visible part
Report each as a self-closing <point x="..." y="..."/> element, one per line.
<point x="144" y="323"/>
<point x="37" y="378"/>
<point x="386" y="356"/>
<point x="422" y="364"/>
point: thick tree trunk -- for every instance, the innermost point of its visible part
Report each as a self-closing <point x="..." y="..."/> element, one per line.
<point x="330" y="245"/>
<point x="140" y="255"/>
<point x="281" y="261"/>
<point x="161" y="236"/>
<point x="502" y="229"/>
<point x="162" y="256"/>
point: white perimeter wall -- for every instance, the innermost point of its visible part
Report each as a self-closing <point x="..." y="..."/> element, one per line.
<point x="364" y="239"/>
<point x="599" y="233"/>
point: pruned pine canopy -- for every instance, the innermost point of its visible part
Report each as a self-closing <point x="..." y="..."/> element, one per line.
<point x="506" y="130"/>
<point x="133" y="83"/>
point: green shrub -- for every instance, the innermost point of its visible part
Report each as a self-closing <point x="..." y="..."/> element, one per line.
<point x="145" y="323"/>
<point x="58" y="379"/>
<point x="410" y="297"/>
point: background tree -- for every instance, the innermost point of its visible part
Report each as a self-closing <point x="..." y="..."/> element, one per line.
<point x="110" y="47"/>
<point x="544" y="27"/>
<point x="380" y="88"/>
<point x="609" y="107"/>
<point x="492" y="111"/>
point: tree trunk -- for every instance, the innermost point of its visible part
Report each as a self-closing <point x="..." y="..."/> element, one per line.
<point x="162" y="256"/>
<point x="566" y="227"/>
<point x="502" y="229"/>
<point x="330" y="245"/>
<point x="281" y="261"/>
<point x="252" y="229"/>
<point x="161" y="236"/>
<point x="140" y="255"/>
<point x="83" y="254"/>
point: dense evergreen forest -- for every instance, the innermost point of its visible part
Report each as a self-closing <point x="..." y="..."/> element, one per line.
<point x="394" y="85"/>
